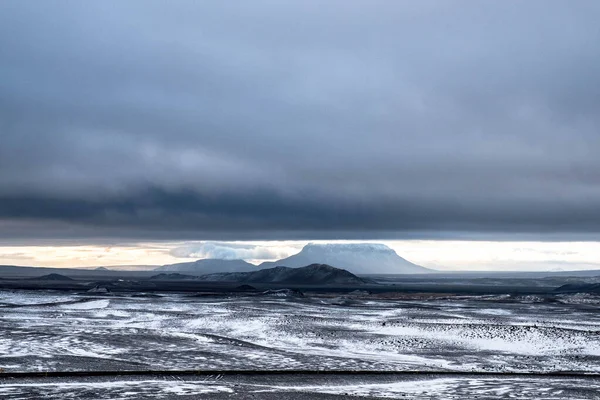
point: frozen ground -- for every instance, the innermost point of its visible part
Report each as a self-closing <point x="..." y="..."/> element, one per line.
<point x="66" y="332"/>
<point x="302" y="388"/>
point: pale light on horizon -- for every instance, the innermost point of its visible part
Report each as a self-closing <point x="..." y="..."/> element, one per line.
<point x="436" y="254"/>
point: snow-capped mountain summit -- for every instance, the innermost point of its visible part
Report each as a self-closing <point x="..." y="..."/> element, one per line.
<point x="358" y="258"/>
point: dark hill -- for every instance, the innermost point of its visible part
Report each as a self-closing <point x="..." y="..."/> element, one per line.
<point x="209" y="266"/>
<point x="52" y="277"/>
<point x="314" y="274"/>
<point x="579" y="288"/>
<point x="246" y="288"/>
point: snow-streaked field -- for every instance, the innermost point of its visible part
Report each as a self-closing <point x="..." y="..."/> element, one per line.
<point x="67" y="332"/>
<point x="302" y="388"/>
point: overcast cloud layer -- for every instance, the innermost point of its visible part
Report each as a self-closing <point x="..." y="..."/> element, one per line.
<point x="261" y="119"/>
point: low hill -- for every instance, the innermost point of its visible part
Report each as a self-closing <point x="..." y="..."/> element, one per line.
<point x="579" y="288"/>
<point x="358" y="258"/>
<point x="209" y="266"/>
<point x="314" y="274"/>
<point x="246" y="288"/>
<point x="52" y="277"/>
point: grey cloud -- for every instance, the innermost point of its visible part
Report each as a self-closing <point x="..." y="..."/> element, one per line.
<point x="355" y="119"/>
<point x="227" y="251"/>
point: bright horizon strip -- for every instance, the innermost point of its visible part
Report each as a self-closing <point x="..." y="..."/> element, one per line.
<point x="436" y="254"/>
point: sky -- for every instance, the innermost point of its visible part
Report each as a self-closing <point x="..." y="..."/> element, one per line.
<point x="142" y="124"/>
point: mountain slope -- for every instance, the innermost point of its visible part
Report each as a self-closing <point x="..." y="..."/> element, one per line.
<point x="360" y="258"/>
<point x="579" y="288"/>
<point x="315" y="274"/>
<point x="209" y="266"/>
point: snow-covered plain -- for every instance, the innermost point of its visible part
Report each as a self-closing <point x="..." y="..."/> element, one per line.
<point x="55" y="332"/>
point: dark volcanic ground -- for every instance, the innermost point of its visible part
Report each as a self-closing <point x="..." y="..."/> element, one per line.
<point x="65" y="331"/>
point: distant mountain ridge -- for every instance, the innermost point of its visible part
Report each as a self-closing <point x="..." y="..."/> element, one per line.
<point x="357" y="258"/>
<point x="315" y="274"/>
<point x="209" y="266"/>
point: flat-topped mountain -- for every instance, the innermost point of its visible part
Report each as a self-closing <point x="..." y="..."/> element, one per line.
<point x="359" y="258"/>
<point x="315" y="274"/>
<point x="209" y="266"/>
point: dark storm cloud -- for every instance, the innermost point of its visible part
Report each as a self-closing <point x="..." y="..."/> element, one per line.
<point x="271" y="119"/>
